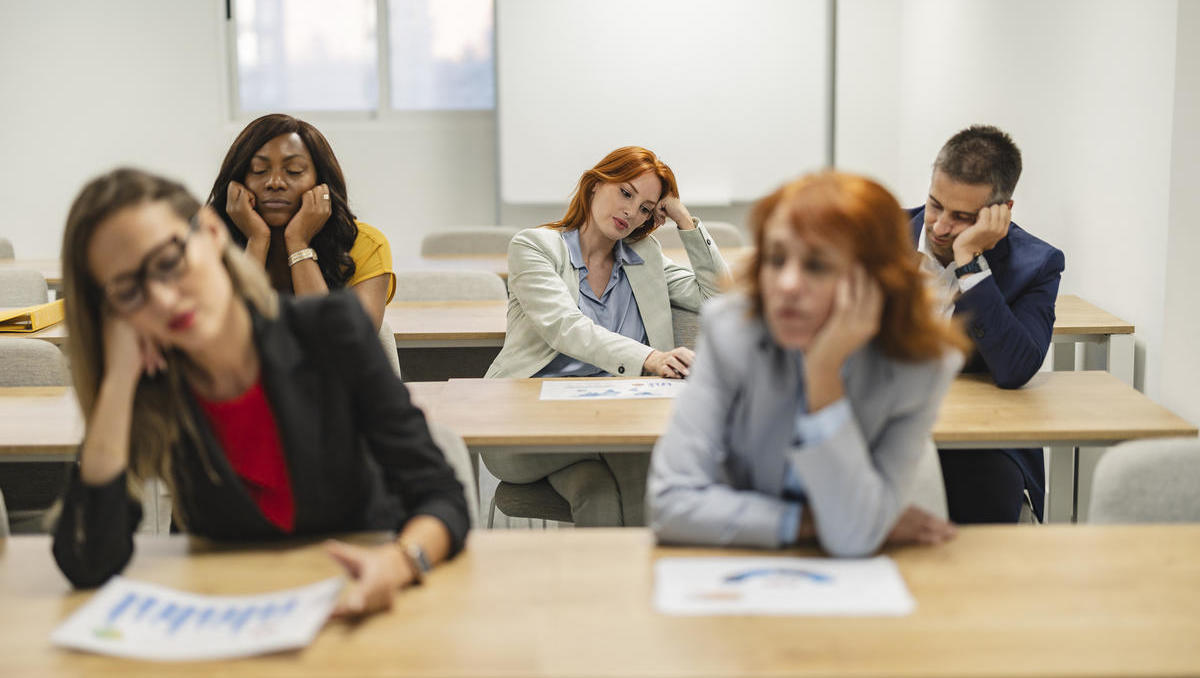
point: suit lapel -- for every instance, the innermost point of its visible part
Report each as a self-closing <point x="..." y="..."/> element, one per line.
<point x="650" y="291"/>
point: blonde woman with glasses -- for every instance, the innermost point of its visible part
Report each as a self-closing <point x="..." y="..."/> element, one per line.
<point x="266" y="417"/>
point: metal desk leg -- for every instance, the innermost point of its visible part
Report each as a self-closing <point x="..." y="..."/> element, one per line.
<point x="1061" y="483"/>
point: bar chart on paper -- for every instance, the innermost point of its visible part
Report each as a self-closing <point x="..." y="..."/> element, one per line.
<point x="139" y="620"/>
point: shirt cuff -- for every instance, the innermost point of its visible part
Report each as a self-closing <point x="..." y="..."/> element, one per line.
<point x="966" y="282"/>
<point x="817" y="427"/>
<point x="789" y="525"/>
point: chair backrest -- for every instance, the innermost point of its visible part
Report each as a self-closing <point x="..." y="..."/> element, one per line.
<point x="1148" y="481"/>
<point x="6" y="249"/>
<point x="31" y="362"/>
<point x="21" y="287"/>
<point x="928" y="490"/>
<point x="388" y="339"/>
<point x="449" y="286"/>
<point x="464" y="464"/>
<point x="723" y="233"/>
<point x="686" y="325"/>
<point x="468" y="240"/>
<point x="3" y="518"/>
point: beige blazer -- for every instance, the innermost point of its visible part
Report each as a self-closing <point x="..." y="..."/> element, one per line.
<point x="543" y="303"/>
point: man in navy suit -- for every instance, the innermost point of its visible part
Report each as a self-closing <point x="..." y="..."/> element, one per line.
<point x="1002" y="283"/>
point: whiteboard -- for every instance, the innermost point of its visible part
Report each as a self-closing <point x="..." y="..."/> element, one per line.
<point x="734" y="95"/>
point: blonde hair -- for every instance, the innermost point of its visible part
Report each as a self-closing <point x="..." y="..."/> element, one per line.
<point x="161" y="414"/>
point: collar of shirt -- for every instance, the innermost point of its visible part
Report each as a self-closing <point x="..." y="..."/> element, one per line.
<point x="944" y="284"/>
<point x="623" y="255"/>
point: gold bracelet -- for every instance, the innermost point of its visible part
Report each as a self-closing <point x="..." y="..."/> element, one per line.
<point x="300" y="255"/>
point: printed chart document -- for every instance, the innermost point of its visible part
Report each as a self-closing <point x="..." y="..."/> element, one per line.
<point x="146" y="621"/>
<point x="781" y="586"/>
<point x="606" y="389"/>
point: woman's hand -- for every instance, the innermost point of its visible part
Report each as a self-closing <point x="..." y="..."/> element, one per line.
<point x="128" y="354"/>
<point x="854" y="321"/>
<point x="239" y="205"/>
<point x="315" y="208"/>
<point x="916" y="526"/>
<point x="672" y="207"/>
<point x="377" y="573"/>
<point x="673" y="364"/>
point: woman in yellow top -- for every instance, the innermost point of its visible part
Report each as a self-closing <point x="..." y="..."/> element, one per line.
<point x="281" y="192"/>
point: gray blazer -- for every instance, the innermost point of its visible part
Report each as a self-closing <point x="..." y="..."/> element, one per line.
<point x="716" y="476"/>
<point x="543" y="303"/>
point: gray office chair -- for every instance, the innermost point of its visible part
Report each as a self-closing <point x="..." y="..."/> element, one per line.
<point x="20" y="287"/>
<point x="532" y="501"/>
<point x="6" y="249"/>
<point x="31" y="487"/>
<point x="1148" y="481"/>
<point x="387" y="338"/>
<point x="468" y="240"/>
<point x="686" y="326"/>
<point x="3" y="518"/>
<point x="465" y="465"/>
<point x="724" y="234"/>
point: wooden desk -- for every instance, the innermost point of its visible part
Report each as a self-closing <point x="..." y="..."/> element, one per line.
<point x="39" y="424"/>
<point x="1107" y="340"/>
<point x="44" y="423"/>
<point x="1059" y="601"/>
<point x="442" y="324"/>
<point x="416" y="324"/>
<point x="1062" y="408"/>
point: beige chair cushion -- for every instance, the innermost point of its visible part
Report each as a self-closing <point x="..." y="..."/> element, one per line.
<point x="19" y="287"/>
<point x="449" y="286"/>
<point x="1148" y="481"/>
<point x="465" y="465"/>
<point x="468" y="240"/>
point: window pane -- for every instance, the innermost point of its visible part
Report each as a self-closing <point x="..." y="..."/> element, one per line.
<point x="441" y="54"/>
<point x="307" y="55"/>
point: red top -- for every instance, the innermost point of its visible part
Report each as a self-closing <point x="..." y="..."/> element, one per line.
<point x="245" y="427"/>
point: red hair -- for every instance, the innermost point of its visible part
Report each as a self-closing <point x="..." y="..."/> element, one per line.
<point x="861" y="217"/>
<point x="624" y="164"/>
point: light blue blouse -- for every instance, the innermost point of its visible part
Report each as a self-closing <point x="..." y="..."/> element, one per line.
<point x="615" y="310"/>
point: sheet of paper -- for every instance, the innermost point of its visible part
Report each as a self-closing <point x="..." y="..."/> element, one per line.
<point x="605" y="389"/>
<point x="781" y="586"/>
<point x="145" y="621"/>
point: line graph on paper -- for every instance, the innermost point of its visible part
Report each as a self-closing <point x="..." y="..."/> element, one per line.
<point x="136" y="619"/>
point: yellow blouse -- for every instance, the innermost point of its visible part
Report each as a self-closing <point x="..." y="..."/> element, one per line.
<point x="372" y="257"/>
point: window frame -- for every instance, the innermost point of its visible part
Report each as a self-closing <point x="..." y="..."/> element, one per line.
<point x="383" y="111"/>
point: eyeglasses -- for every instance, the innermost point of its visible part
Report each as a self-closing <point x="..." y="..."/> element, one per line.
<point x="166" y="263"/>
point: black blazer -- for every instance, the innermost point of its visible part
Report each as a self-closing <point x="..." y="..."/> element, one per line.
<point x="359" y="454"/>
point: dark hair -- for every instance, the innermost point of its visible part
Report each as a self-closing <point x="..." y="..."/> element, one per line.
<point x="332" y="244"/>
<point x="982" y="154"/>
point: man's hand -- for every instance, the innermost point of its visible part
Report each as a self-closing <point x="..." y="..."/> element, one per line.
<point x="990" y="227"/>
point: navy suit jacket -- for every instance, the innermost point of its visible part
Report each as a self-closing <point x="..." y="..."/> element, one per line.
<point x="1009" y="316"/>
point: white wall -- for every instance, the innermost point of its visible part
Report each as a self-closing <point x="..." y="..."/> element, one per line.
<point x="1085" y="87"/>
<point x="86" y="86"/>
<point x="1181" y="325"/>
<point x="1088" y="88"/>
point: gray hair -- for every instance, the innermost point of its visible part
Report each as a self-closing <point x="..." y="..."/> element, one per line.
<point x="982" y="154"/>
